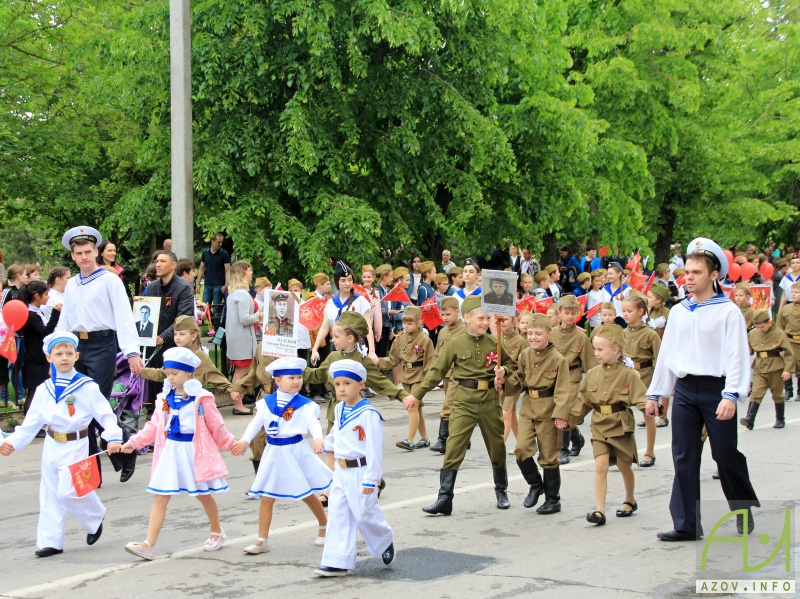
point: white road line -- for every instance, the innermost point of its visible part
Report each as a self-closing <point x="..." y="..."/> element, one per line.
<point x="48" y="587"/>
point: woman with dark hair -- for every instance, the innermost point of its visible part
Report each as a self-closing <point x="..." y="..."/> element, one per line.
<point x="107" y="256"/>
<point x="416" y="277"/>
<point x="35" y="369"/>
<point x="17" y="278"/>
<point x="346" y="301"/>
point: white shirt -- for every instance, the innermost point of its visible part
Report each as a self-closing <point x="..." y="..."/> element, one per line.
<point x="676" y="262"/>
<point x="344" y="442"/>
<point x="708" y="339"/>
<point x="592" y="299"/>
<point x="361" y="305"/>
<point x="99" y="303"/>
<point x="447" y="267"/>
<point x="616" y="297"/>
<point x="786" y="284"/>
<point x="556" y="291"/>
<point x="54" y="297"/>
<point x="304" y="420"/>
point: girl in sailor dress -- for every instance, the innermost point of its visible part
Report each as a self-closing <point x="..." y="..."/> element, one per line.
<point x="188" y="432"/>
<point x="289" y="469"/>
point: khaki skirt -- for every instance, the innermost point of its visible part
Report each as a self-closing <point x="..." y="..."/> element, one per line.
<point x="618" y="448"/>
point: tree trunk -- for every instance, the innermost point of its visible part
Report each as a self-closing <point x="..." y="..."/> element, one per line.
<point x="664" y="239"/>
<point x="550" y="253"/>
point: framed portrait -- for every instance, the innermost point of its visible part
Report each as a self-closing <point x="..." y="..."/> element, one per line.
<point x="498" y="292"/>
<point x="281" y="322"/>
<point x="146" y="311"/>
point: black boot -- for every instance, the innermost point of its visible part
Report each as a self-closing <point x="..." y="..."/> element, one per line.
<point x="444" y="503"/>
<point x="563" y="457"/>
<point x="780" y="421"/>
<point x="444" y="432"/>
<point x="751" y="523"/>
<point x="256" y="464"/>
<point x="578" y="441"/>
<point x="501" y="487"/>
<point x="552" y="488"/>
<point x="530" y="472"/>
<point x="750" y="419"/>
<point x="788" y="389"/>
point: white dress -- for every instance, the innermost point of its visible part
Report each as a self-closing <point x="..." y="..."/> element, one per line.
<point x="291" y="471"/>
<point x="174" y="472"/>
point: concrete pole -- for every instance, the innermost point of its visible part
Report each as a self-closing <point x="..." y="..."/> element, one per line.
<point x="180" y="67"/>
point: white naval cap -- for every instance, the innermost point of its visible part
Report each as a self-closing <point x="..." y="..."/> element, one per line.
<point x="349" y="368"/>
<point x="59" y="337"/>
<point x="705" y="246"/>
<point x="181" y="358"/>
<point x="286" y="366"/>
<point x="81" y="233"/>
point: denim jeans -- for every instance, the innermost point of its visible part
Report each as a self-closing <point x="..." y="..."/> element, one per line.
<point x="212" y="295"/>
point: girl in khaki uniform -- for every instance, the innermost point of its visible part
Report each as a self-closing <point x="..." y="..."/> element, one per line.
<point x="641" y="346"/>
<point x="608" y="391"/>
<point x="513" y="343"/>
<point x="741" y="297"/>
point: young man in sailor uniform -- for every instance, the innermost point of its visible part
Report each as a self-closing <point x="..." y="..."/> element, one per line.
<point x="97" y="310"/>
<point x="705" y="360"/>
<point x="66" y="403"/>
<point x="356" y="442"/>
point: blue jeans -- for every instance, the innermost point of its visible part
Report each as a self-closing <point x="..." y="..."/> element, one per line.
<point x="212" y="295"/>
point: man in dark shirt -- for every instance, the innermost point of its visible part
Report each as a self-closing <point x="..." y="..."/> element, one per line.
<point x="215" y="264"/>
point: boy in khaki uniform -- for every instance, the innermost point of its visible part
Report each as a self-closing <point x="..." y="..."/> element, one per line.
<point x="413" y="351"/>
<point x="513" y="343"/>
<point x="773" y="364"/>
<point x="474" y="359"/>
<point x="574" y="345"/>
<point x="789" y="323"/>
<point x="544" y="376"/>
<point x="454" y="327"/>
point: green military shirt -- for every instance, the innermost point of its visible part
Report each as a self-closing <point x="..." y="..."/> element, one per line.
<point x="576" y="347"/>
<point x="375" y="378"/>
<point x="789" y="321"/>
<point x="207" y="373"/>
<point x="773" y="340"/>
<point x="539" y="369"/>
<point x="414" y="353"/>
<point x="257" y="374"/>
<point x="748" y="314"/>
<point x="446" y="335"/>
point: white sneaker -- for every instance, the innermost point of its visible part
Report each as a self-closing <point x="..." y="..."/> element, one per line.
<point x="320" y="541"/>
<point x="256" y="549"/>
<point x="143" y="550"/>
<point x="215" y="541"/>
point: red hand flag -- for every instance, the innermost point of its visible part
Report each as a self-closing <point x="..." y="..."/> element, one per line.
<point x="431" y="317"/>
<point x="361" y="291"/>
<point x="634" y="263"/>
<point x="543" y="304"/>
<point x="526" y="305"/>
<point x="680" y="281"/>
<point x="312" y="313"/>
<point x="593" y="310"/>
<point x="637" y="280"/>
<point x="649" y="283"/>
<point x="85" y="476"/>
<point x="582" y="302"/>
<point x="397" y="294"/>
<point x="8" y="347"/>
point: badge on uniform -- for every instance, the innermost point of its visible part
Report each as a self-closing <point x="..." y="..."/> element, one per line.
<point x="287" y="413"/>
<point x="417" y="348"/>
<point x="361" y="434"/>
<point x="71" y="404"/>
<point x="491" y="358"/>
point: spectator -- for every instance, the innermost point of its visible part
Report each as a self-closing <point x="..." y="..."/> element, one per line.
<point x="107" y="256"/>
<point x="17" y="278"/>
<point x="570" y="267"/>
<point x="515" y="260"/>
<point x="56" y="282"/>
<point x="215" y="265"/>
<point x="240" y="334"/>
<point x="590" y="261"/>
<point x="447" y="263"/>
<point x="416" y="277"/>
<point x="529" y="264"/>
<point x="167" y="245"/>
<point x="35" y="368"/>
<point x="185" y="271"/>
<point x="34" y="272"/>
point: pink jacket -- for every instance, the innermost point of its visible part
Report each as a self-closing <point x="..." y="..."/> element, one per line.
<point x="210" y="435"/>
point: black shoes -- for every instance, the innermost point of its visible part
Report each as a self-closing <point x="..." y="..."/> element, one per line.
<point x="389" y="555"/>
<point x="596" y="517"/>
<point x="645" y="463"/>
<point x="126" y="474"/>
<point x="678" y="535"/>
<point x="750" y="420"/>
<point x="627" y="513"/>
<point x="563" y="457"/>
<point x="576" y="447"/>
<point x="780" y="421"/>
<point x="91" y="539"/>
<point x="552" y="488"/>
<point x="530" y="472"/>
<point x="444" y="433"/>
<point x="444" y="503"/>
<point x="501" y="487"/>
<point x="751" y="523"/>
<point x="48" y="551"/>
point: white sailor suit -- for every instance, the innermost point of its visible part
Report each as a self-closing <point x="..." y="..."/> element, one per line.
<point x="357" y="436"/>
<point x="50" y="406"/>
<point x="289" y="469"/>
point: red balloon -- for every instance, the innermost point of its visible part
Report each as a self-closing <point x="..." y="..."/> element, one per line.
<point x="728" y="255"/>
<point x="748" y="270"/>
<point x="766" y="271"/>
<point x="15" y="314"/>
<point x="734" y="272"/>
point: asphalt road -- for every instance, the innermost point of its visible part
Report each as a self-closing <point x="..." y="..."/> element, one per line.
<point x="479" y="551"/>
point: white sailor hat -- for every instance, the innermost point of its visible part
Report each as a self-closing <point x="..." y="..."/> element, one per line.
<point x="706" y="247"/>
<point x="58" y="337"/>
<point x="181" y="358"/>
<point x="286" y="366"/>
<point x="349" y="368"/>
<point x="81" y="234"/>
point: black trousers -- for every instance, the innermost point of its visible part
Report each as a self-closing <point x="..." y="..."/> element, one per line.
<point x="695" y="404"/>
<point x="382" y="347"/>
<point x="98" y="360"/>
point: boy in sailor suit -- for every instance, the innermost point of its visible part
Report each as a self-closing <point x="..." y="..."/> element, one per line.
<point x="67" y="403"/>
<point x="355" y="440"/>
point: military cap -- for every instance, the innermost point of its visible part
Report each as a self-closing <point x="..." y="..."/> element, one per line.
<point x="399" y="272"/>
<point x="612" y="332"/>
<point x="367" y="268"/>
<point x="471" y="262"/>
<point x="412" y="312"/>
<point x="661" y="291"/>
<point x="83" y="233"/>
<point x="583" y="276"/>
<point x="261" y="282"/>
<point x="761" y="316"/>
<point x="426" y="266"/>
<point x="707" y="247"/>
<point x="679" y="271"/>
<point x="598" y="273"/>
<point x="541" y="320"/>
<point x="638" y="294"/>
<point x="568" y="301"/>
<point x="551" y="268"/>
<point x="608" y="306"/>
<point x="616" y="266"/>
<point x="186" y="323"/>
<point x="293" y="282"/>
<point x="662" y="269"/>
<point x="355" y="321"/>
<point x="280" y="297"/>
<point x="456" y="270"/>
<point x="320" y="278"/>
<point x="448" y="302"/>
<point x="382" y="269"/>
<point x="440" y="278"/>
<point x="469" y="304"/>
<point x="540" y="276"/>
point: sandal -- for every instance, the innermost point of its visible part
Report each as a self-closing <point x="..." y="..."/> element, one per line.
<point x="256" y="549"/>
<point x="594" y="518"/>
<point x="647" y="463"/>
<point x="662" y="422"/>
<point x="623" y="513"/>
<point x="323" y="499"/>
<point x="242" y="412"/>
<point x="144" y="550"/>
<point x="214" y="541"/>
<point x="320" y="542"/>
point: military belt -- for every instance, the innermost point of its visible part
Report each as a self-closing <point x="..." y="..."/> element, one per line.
<point x="472" y="384"/>
<point x="64" y="437"/>
<point x="608" y="409"/>
<point x="642" y="364"/>
<point x="540" y="393"/>
<point x="772" y="353"/>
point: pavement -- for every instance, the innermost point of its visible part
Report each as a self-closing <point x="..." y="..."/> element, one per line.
<point x="479" y="551"/>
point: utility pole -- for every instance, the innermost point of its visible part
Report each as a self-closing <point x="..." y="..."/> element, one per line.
<point x="180" y="68"/>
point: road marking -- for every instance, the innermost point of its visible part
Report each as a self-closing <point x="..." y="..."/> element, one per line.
<point x="46" y="588"/>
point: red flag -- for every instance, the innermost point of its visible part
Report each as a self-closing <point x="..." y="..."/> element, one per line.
<point x="8" y="347"/>
<point x="593" y="310"/>
<point x="431" y="317"/>
<point x="637" y="280"/>
<point x="85" y="476"/>
<point x="397" y="294"/>
<point x="312" y="313"/>
<point x="582" y="302"/>
<point x="649" y="283"/>
<point x="527" y="304"/>
<point x="361" y="291"/>
<point x="603" y="251"/>
<point x="680" y="281"/>
<point x="279" y="287"/>
<point x="543" y="304"/>
<point x="634" y="263"/>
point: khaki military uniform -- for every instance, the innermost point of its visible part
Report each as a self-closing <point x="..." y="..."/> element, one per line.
<point x="642" y="345"/>
<point x="470" y="358"/>
<point x="544" y="377"/>
<point x="655" y="314"/>
<point x="281" y="327"/>
<point x="257" y="376"/>
<point x="375" y="378"/>
<point x="609" y="392"/>
<point x="789" y="323"/>
<point x="207" y="373"/>
<point x="415" y="353"/>
<point x="748" y="314"/>
<point x="774" y="356"/>
<point x="576" y="347"/>
<point x="446" y="335"/>
<point x="514" y="344"/>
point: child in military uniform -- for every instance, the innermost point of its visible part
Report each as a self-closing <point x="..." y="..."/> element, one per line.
<point x="412" y="350"/>
<point x="741" y="297"/>
<point x="657" y="314"/>
<point x="543" y="374"/>
<point x="774" y="363"/>
<point x="789" y="323"/>
<point x="523" y="322"/>
<point x="454" y="327"/>
<point x="641" y="347"/>
<point x="513" y="343"/>
<point x="574" y="345"/>
<point x="608" y="391"/>
<point x="474" y="359"/>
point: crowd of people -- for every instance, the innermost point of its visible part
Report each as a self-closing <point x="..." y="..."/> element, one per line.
<point x="621" y="346"/>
